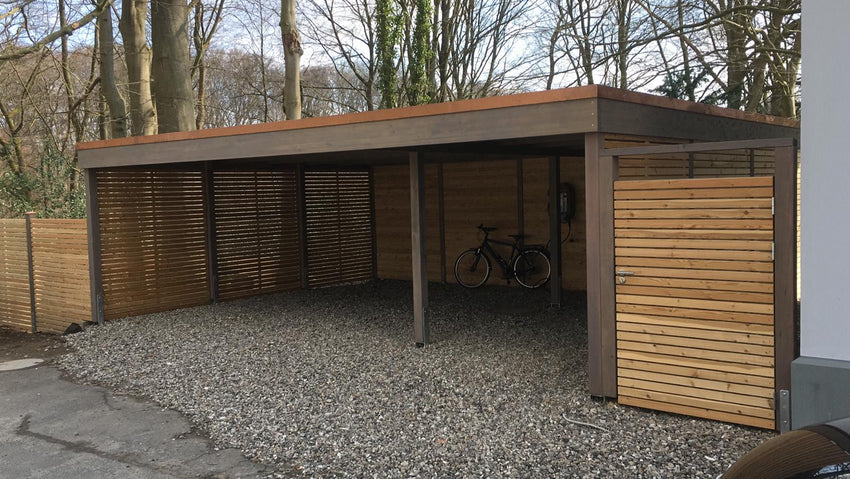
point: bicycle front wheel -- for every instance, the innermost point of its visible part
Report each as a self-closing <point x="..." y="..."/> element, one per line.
<point x="532" y="269"/>
<point x="472" y="268"/>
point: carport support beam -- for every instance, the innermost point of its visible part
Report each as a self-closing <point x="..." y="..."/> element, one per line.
<point x="785" y="272"/>
<point x="417" y="235"/>
<point x="93" y="227"/>
<point x="555" y="230"/>
<point x="600" y="174"/>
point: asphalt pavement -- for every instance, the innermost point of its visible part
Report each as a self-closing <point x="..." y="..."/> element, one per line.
<point x="54" y="428"/>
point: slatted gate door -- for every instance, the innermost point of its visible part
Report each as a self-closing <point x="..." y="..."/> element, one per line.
<point x="695" y="322"/>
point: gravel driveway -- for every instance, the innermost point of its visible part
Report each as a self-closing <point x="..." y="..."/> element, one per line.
<point x="328" y="382"/>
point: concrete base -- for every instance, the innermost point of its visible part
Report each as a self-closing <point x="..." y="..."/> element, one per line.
<point x="820" y="390"/>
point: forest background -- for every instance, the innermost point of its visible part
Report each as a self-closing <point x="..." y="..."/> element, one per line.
<point x="81" y="70"/>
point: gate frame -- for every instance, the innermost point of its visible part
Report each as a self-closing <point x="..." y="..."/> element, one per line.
<point x="601" y="170"/>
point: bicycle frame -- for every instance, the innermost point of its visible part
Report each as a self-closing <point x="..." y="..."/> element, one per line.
<point x="507" y="265"/>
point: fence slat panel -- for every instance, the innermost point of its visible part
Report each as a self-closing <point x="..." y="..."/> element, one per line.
<point x="61" y="269"/>
<point x="14" y="277"/>
<point x="153" y="240"/>
<point x="339" y="226"/>
<point x="257" y="237"/>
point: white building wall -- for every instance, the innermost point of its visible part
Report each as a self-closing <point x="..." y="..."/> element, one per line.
<point x="825" y="220"/>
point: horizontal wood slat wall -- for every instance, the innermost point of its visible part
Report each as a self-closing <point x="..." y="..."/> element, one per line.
<point x="153" y="240"/>
<point x="257" y="235"/>
<point x="732" y="163"/>
<point x="61" y="271"/>
<point x="14" y="275"/>
<point x="339" y="226"/>
<point x="695" y="323"/>
<point x="476" y="192"/>
<point x="392" y="221"/>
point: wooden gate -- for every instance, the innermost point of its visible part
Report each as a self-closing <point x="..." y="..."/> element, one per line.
<point x="695" y="297"/>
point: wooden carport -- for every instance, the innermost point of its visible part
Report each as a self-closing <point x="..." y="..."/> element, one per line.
<point x="190" y="174"/>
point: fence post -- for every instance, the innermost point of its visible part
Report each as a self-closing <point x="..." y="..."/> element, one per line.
<point x="30" y="269"/>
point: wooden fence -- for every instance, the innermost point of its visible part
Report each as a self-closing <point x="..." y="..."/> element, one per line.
<point x="44" y="274"/>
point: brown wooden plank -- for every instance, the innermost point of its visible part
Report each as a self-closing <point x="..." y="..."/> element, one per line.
<point x="764" y="256"/>
<point x="714" y="295"/>
<point x="709" y="224"/>
<point x="636" y="370"/>
<point x="720" y="406"/>
<point x="731" y="306"/>
<point x="696" y="264"/>
<point x="705" y="285"/>
<point x="690" y="391"/>
<point x="683" y="330"/>
<point x="697" y="343"/>
<point x="695" y="323"/>
<point x="718" y="275"/>
<point x="756" y="192"/>
<point x="710" y="234"/>
<point x="698" y="412"/>
<point x="695" y="213"/>
<point x="694" y="184"/>
<point x="688" y="354"/>
<point x="742" y="245"/>
<point x="696" y="313"/>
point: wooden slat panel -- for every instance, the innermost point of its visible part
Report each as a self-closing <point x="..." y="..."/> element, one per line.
<point x="339" y="226"/>
<point x="61" y="270"/>
<point x="153" y="240"/>
<point x="257" y="236"/>
<point x="695" y="326"/>
<point x="14" y="278"/>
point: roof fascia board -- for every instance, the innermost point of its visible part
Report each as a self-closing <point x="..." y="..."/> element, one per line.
<point x="524" y="121"/>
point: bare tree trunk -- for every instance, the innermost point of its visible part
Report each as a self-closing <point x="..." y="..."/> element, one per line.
<point x="292" y="52"/>
<point x="171" y="65"/>
<point x="202" y="34"/>
<point x="133" y="29"/>
<point x="736" y="58"/>
<point x="115" y="102"/>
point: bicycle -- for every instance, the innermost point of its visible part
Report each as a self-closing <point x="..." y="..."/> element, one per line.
<point x="528" y="264"/>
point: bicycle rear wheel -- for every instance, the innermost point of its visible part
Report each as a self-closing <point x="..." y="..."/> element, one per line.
<point x="532" y="269"/>
<point x="472" y="268"/>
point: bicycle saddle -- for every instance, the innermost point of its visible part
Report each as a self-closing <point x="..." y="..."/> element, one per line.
<point x="486" y="229"/>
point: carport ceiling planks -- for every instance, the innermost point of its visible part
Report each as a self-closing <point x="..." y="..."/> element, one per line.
<point x="535" y="124"/>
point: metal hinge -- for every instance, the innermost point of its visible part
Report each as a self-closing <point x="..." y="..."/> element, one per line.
<point x="773" y="205"/>
<point x="772" y="251"/>
<point x="783" y="407"/>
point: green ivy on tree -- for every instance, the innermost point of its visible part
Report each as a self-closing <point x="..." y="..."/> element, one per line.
<point x="420" y="55"/>
<point x="388" y="26"/>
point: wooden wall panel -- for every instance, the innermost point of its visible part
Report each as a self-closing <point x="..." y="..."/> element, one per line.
<point x="14" y="275"/>
<point x="257" y="236"/>
<point x="153" y="240"/>
<point x="392" y="221"/>
<point x="731" y="163"/>
<point x="695" y="320"/>
<point x="573" y="235"/>
<point x="339" y="226"/>
<point x="476" y="192"/>
<point x="61" y="271"/>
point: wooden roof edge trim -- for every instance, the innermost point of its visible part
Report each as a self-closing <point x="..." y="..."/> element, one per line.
<point x="460" y="106"/>
<point x="611" y="93"/>
<point x="431" y="109"/>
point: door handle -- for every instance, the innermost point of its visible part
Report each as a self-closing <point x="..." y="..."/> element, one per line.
<point x="622" y="275"/>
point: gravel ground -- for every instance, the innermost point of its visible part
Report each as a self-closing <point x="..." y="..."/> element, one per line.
<point x="329" y="383"/>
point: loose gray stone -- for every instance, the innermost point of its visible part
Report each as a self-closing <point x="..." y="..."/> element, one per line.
<point x="329" y="382"/>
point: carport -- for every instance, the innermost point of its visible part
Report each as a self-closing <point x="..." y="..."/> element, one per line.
<point x="184" y="219"/>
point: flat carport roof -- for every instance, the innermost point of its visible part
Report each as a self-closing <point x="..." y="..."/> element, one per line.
<point x="531" y="124"/>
